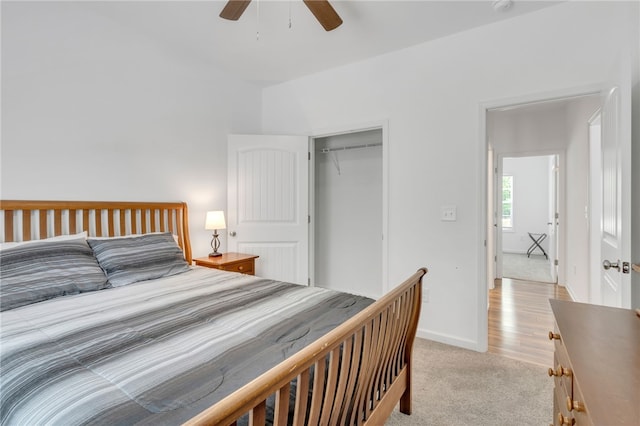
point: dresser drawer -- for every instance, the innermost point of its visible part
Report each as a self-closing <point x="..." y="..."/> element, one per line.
<point x="232" y="262"/>
<point x="561" y="371"/>
<point x="244" y="267"/>
<point x="561" y="414"/>
<point x="578" y="407"/>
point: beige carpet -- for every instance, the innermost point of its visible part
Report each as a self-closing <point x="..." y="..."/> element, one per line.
<point x="454" y="386"/>
<point x="519" y="266"/>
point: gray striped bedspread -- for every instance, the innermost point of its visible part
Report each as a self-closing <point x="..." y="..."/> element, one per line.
<point x="155" y="352"/>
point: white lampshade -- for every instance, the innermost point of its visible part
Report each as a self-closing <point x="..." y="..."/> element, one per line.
<point x="215" y="220"/>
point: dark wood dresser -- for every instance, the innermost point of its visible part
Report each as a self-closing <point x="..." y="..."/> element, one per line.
<point x="597" y="365"/>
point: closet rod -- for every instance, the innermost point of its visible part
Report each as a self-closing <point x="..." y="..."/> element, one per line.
<point x="344" y="148"/>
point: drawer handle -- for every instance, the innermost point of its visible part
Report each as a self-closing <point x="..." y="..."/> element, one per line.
<point x="554" y="336"/>
<point x="559" y="372"/>
<point x="240" y="268"/>
<point x="574" y="405"/>
<point x="566" y="420"/>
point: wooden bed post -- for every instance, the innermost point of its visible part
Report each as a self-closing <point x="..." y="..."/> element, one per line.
<point x="405" y="400"/>
<point x="186" y="242"/>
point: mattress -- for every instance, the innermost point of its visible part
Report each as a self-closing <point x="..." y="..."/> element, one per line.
<point x="157" y="351"/>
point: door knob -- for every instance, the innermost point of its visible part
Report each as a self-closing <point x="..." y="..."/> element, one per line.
<point x="232" y="233"/>
<point x="608" y="265"/>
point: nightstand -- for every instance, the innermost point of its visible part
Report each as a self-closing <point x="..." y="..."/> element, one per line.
<point x="233" y="262"/>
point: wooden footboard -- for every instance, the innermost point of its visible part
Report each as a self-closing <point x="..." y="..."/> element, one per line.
<point x="355" y="374"/>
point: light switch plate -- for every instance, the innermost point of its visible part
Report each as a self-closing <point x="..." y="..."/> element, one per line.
<point x="448" y="213"/>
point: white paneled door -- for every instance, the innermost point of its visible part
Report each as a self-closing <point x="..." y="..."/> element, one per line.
<point x="615" y="282"/>
<point x="268" y="184"/>
<point x="615" y="199"/>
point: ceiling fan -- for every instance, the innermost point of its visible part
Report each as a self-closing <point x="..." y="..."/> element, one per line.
<point x="321" y="9"/>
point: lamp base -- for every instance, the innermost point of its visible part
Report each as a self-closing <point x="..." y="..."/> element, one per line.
<point x="215" y="254"/>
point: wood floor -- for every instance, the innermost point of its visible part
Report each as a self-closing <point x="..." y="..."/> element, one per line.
<point x="520" y="319"/>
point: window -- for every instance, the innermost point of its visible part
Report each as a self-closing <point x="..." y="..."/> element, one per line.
<point x="507" y="202"/>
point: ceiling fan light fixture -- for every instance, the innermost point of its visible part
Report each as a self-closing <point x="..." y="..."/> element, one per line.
<point x="234" y="9"/>
<point x="324" y="13"/>
<point x="321" y="9"/>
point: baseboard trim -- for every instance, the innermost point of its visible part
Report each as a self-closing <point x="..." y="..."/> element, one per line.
<point x="570" y="291"/>
<point x="449" y="339"/>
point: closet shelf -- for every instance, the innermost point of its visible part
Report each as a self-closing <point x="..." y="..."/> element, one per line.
<point x="344" y="148"/>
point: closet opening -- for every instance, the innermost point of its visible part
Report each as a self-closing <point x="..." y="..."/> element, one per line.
<point x="347" y="212"/>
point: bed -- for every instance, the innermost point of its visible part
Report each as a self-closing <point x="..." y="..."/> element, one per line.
<point x="146" y="338"/>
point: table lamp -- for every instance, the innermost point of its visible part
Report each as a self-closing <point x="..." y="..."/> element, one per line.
<point x="215" y="221"/>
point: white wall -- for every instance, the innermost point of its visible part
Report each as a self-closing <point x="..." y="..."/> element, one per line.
<point x="635" y="172"/>
<point x="635" y="195"/>
<point x="431" y="96"/>
<point x="348" y="214"/>
<point x="528" y="129"/>
<point x="92" y="110"/>
<point x="530" y="202"/>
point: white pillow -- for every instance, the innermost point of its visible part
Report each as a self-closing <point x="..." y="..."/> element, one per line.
<point x="78" y="236"/>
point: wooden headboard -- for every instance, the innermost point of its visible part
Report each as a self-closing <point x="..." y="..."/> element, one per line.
<point x="25" y="220"/>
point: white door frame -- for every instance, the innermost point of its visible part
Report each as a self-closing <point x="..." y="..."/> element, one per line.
<point x="595" y="205"/>
<point x="483" y="256"/>
<point x="341" y="130"/>
<point x="557" y="225"/>
<point x="493" y="270"/>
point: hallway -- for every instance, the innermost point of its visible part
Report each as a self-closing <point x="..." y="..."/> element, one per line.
<point x="520" y="319"/>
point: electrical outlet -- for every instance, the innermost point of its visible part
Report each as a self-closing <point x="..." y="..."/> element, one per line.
<point x="448" y="213"/>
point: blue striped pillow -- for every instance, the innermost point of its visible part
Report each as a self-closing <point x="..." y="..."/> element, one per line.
<point x="127" y="260"/>
<point x="38" y="271"/>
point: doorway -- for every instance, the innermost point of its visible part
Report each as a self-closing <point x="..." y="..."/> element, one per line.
<point x="528" y="226"/>
<point x="347" y="198"/>
<point x="556" y="128"/>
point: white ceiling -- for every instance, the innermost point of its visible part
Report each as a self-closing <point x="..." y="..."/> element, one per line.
<point x="261" y="47"/>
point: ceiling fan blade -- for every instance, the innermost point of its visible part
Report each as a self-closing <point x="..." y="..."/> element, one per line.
<point x="324" y="13"/>
<point x="234" y="9"/>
